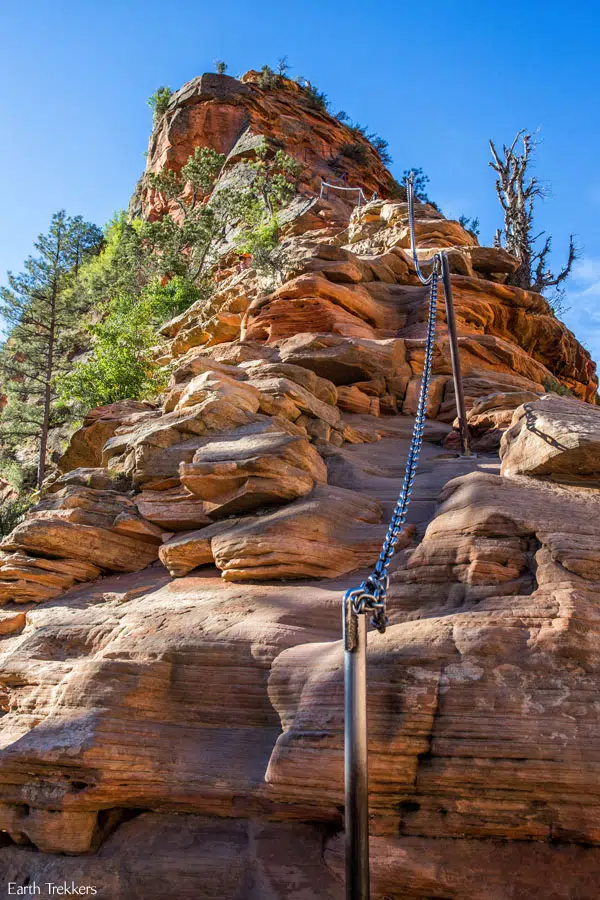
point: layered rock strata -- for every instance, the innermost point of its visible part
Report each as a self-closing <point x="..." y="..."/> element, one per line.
<point x="171" y="675"/>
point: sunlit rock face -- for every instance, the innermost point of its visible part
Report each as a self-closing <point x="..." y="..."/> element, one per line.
<point x="171" y="670"/>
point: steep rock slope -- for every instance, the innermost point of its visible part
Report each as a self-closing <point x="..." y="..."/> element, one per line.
<point x="179" y="717"/>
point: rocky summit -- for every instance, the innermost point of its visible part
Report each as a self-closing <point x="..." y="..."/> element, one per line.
<point x="171" y="674"/>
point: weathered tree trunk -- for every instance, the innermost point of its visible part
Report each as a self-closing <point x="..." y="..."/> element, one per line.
<point x="517" y="196"/>
<point x="48" y="374"/>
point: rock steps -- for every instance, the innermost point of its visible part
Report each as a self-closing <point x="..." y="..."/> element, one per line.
<point x="208" y="706"/>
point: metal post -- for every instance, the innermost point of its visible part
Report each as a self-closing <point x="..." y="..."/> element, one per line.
<point x="355" y="754"/>
<point x="455" y="357"/>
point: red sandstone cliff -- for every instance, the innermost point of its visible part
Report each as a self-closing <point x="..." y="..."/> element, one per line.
<point x="171" y="665"/>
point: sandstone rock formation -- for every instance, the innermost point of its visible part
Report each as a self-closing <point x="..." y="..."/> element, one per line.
<point x="171" y="670"/>
<point x="553" y="436"/>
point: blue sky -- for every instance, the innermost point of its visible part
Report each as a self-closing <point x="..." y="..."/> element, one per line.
<point x="436" y="80"/>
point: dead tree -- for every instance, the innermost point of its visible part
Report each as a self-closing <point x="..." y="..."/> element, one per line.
<point x="517" y="193"/>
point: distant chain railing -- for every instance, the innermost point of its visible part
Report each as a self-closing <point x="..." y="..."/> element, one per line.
<point x="362" y="198"/>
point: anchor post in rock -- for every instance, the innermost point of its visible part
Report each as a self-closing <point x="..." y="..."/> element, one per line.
<point x="356" y="773"/>
<point x="370" y="597"/>
<point x="463" y="428"/>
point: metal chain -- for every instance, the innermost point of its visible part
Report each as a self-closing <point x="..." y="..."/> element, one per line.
<point x="372" y="593"/>
<point x="337" y="187"/>
<point x="410" y="196"/>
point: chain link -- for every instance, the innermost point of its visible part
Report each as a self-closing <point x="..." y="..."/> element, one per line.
<point x="410" y="196"/>
<point x="371" y="595"/>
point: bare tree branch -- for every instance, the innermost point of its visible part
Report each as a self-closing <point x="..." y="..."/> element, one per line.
<point x="517" y="193"/>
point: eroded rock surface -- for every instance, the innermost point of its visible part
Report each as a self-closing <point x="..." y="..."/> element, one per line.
<point x="171" y="671"/>
<point x="553" y="436"/>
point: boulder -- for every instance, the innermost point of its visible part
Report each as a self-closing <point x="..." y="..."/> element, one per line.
<point x="353" y="298"/>
<point x="283" y="318"/>
<point x="327" y="533"/>
<point x="12" y="621"/>
<point x="322" y="388"/>
<point x="553" y="436"/>
<point x="139" y="451"/>
<point x="488" y="418"/>
<point x="173" y="509"/>
<point x="459" y="261"/>
<point x="341" y="271"/>
<point x="492" y="259"/>
<point x="435" y="396"/>
<point x="96" y="478"/>
<point x="352" y="399"/>
<point x="51" y="830"/>
<point x="205" y="386"/>
<point x="497" y="602"/>
<point x="85" y="446"/>
<point x="191" y="366"/>
<point x="344" y="361"/>
<point x="324" y="535"/>
<point x="280" y="387"/>
<point x="242" y="472"/>
<point x="183" y="553"/>
<point x="67" y="540"/>
<point x="437" y="233"/>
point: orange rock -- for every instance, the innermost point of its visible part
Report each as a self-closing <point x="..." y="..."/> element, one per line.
<point x="226" y="114"/>
<point x="243" y="472"/>
<point x="280" y="319"/>
<point x="352" y="399"/>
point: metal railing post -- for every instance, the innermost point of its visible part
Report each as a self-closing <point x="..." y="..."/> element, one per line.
<point x="356" y="775"/>
<point x="455" y="357"/>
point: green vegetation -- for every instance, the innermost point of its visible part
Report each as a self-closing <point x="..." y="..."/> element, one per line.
<point x="220" y="67"/>
<point x="159" y="100"/>
<point x="355" y="151"/>
<point x="471" y="225"/>
<point x="150" y="272"/>
<point x="554" y="386"/>
<point x="42" y="305"/>
<point x="379" y="144"/>
<point x="263" y="244"/>
<point x="316" y="98"/>
<point x="85" y="314"/>
<point x="274" y="184"/>
<point x="268" y="78"/>
<point x="420" y="182"/>
<point x="121" y="364"/>
<point x="12" y="512"/>
<point x="181" y="242"/>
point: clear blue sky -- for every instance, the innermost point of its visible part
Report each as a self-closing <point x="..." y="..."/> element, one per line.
<point x="437" y="80"/>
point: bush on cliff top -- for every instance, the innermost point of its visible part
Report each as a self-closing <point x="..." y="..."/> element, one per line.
<point x="356" y="151"/>
<point x="159" y="100"/>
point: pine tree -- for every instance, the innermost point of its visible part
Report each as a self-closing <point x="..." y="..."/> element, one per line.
<point x="42" y="310"/>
